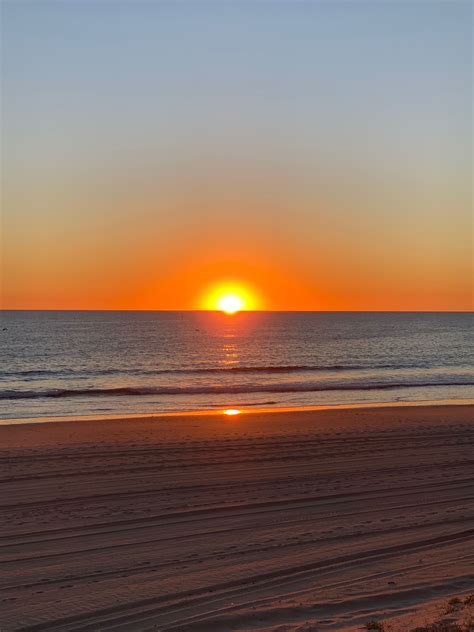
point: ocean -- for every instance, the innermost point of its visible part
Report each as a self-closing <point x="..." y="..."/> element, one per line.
<point x="64" y="363"/>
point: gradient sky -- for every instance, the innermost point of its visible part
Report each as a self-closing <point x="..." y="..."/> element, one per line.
<point x="319" y="152"/>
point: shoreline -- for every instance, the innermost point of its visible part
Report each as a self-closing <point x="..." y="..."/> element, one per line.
<point x="241" y="411"/>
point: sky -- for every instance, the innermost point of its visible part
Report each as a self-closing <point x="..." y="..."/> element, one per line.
<point x="319" y="154"/>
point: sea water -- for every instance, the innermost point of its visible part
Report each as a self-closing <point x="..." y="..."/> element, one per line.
<point x="60" y="363"/>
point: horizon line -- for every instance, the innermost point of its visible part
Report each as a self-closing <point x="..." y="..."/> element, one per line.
<point x="250" y="311"/>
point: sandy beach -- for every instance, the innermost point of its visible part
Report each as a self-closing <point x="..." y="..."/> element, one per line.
<point x="313" y="520"/>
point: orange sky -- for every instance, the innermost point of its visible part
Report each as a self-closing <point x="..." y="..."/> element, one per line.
<point x="293" y="248"/>
<point x="158" y="169"/>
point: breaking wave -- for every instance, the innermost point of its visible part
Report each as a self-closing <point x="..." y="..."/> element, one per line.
<point x="299" y="387"/>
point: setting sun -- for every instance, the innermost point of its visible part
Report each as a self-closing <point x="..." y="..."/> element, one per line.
<point x="230" y="298"/>
<point x="230" y="303"/>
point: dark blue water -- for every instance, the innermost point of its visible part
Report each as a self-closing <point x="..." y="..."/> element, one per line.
<point x="85" y="363"/>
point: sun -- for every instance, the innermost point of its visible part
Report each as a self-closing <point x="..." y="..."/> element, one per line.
<point x="229" y="297"/>
<point x="230" y="303"/>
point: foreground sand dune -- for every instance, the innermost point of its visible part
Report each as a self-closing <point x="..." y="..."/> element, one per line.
<point x="291" y="521"/>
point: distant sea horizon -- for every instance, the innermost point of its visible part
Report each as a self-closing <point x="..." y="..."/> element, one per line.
<point x="67" y="363"/>
<point x="249" y="311"/>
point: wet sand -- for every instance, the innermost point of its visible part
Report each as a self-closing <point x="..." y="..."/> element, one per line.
<point x="307" y="520"/>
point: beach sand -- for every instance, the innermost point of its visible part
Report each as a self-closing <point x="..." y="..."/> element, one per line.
<point x="312" y="520"/>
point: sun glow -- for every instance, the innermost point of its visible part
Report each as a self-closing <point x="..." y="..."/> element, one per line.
<point x="232" y="411"/>
<point x="229" y="298"/>
<point x="230" y="303"/>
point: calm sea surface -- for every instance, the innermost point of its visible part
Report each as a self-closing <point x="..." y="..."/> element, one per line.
<point x="85" y="363"/>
